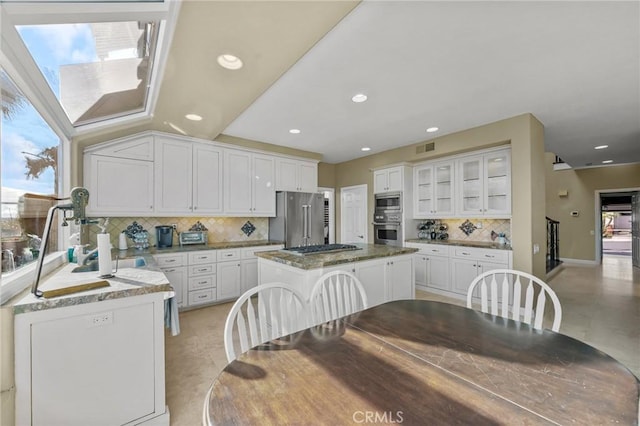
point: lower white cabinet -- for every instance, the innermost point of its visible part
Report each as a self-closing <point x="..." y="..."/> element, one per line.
<point x="249" y="265"/>
<point x="384" y="279"/>
<point x="115" y="374"/>
<point x="201" y="287"/>
<point x="174" y="266"/>
<point x="450" y="270"/>
<point x="229" y="274"/>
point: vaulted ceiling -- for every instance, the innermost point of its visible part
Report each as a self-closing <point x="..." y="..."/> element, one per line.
<point x="454" y="65"/>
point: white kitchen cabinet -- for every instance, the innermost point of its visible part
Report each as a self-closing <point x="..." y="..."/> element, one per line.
<point x="249" y="183"/>
<point x="434" y="190"/>
<point x="469" y="262"/>
<point x="188" y="177"/>
<point x="388" y="179"/>
<point x="400" y="278"/>
<point x="372" y="275"/>
<point x="202" y="282"/>
<point x="95" y="363"/>
<point x="484" y="184"/>
<point x="386" y="279"/>
<point x="118" y="186"/>
<point x="249" y="265"/>
<point x="174" y="266"/>
<point x="229" y="274"/>
<point x="296" y="175"/>
<point x="432" y="266"/>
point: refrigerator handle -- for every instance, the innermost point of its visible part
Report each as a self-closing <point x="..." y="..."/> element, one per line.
<point x="305" y="223"/>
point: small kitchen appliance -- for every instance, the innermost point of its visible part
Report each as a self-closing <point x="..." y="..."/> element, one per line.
<point x="192" y="237"/>
<point x="164" y="236"/>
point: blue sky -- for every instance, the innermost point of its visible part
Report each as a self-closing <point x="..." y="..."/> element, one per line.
<point x="51" y="46"/>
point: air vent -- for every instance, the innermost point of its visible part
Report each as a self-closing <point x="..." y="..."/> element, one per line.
<point x="426" y="147"/>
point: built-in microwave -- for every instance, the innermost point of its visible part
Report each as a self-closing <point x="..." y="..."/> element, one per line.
<point x="389" y="201"/>
<point x="387" y="233"/>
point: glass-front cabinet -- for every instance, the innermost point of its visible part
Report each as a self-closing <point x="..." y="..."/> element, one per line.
<point x="434" y="188"/>
<point x="485" y="184"/>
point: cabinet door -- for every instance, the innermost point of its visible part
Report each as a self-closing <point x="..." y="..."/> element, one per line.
<point x="238" y="182"/>
<point x="287" y="175"/>
<point x="463" y="271"/>
<point x="228" y="280"/>
<point x="119" y="186"/>
<point x="438" y="271"/>
<point x="420" y="265"/>
<point x="308" y="176"/>
<point x="497" y="190"/>
<point x="249" y="275"/>
<point x="380" y="181"/>
<point x="178" y="279"/>
<point x="372" y="276"/>
<point x="470" y="200"/>
<point x="264" y="190"/>
<point x="394" y="179"/>
<point x="400" y="278"/>
<point x="207" y="179"/>
<point x="173" y="177"/>
<point x="443" y="188"/>
<point x="424" y="205"/>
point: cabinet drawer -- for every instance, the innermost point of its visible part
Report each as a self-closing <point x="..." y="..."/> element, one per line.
<point x="199" y="283"/>
<point x="249" y="252"/>
<point x="196" y="270"/>
<point x="204" y="256"/>
<point x="499" y="256"/>
<point x="432" y="249"/>
<point x="169" y="260"/>
<point x="231" y="254"/>
<point x="200" y="297"/>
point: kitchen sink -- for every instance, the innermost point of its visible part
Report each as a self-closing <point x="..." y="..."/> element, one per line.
<point x="93" y="265"/>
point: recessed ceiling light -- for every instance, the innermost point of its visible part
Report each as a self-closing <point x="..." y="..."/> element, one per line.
<point x="365" y="148"/>
<point x="230" y="62"/>
<point x="193" y="117"/>
<point x="432" y="129"/>
<point x="294" y="131"/>
<point x="360" y="97"/>
<point x="601" y="147"/>
<point x="607" y="161"/>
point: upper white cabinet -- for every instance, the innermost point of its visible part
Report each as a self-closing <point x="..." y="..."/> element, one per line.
<point x="249" y="183"/>
<point x="434" y="189"/>
<point x="389" y="179"/>
<point x="188" y="177"/>
<point x="484" y="184"/>
<point x="296" y="175"/>
<point x="119" y="178"/>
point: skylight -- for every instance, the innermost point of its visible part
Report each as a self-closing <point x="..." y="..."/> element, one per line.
<point x="97" y="71"/>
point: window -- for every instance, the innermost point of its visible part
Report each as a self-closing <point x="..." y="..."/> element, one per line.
<point x="29" y="166"/>
<point x="96" y="70"/>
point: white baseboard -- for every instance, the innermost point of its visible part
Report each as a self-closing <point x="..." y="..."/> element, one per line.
<point x="579" y="261"/>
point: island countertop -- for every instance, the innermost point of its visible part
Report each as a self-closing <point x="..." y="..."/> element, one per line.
<point x="321" y="260"/>
<point x="463" y="243"/>
<point x="127" y="282"/>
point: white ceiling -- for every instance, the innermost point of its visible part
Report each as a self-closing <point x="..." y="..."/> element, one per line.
<point x="457" y="65"/>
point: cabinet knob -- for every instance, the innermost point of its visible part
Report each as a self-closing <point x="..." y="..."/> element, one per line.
<point x="150" y="207"/>
<point x="195" y="207"/>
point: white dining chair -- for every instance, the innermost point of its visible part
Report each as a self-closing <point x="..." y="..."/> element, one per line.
<point x="336" y="294"/>
<point x="276" y="310"/>
<point x="501" y="292"/>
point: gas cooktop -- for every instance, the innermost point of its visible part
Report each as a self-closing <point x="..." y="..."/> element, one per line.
<point x="320" y="249"/>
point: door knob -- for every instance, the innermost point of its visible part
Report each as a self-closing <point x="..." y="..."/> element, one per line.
<point x="360" y="236"/>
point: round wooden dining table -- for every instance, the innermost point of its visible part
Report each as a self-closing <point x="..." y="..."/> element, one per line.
<point x="423" y="362"/>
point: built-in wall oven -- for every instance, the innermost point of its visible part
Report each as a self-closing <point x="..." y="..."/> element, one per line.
<point x="387" y="219"/>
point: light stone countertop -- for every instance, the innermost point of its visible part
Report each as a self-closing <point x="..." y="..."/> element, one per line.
<point x="127" y="282"/>
<point x="463" y="243"/>
<point x="321" y="260"/>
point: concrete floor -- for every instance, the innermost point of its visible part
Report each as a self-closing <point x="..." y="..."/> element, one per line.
<point x="601" y="306"/>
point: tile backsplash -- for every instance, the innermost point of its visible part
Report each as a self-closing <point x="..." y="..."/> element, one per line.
<point x="481" y="233"/>
<point x="220" y="229"/>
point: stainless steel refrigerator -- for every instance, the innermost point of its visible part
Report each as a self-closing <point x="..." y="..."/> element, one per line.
<point x="299" y="219"/>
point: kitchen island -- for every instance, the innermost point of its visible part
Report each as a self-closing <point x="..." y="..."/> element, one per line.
<point x="97" y="356"/>
<point x="386" y="272"/>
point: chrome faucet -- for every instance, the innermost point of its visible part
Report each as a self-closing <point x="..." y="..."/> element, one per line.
<point x="82" y="257"/>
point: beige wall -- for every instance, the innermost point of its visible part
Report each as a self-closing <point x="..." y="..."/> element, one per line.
<point x="326" y="175"/>
<point x="576" y="241"/>
<point x="524" y="133"/>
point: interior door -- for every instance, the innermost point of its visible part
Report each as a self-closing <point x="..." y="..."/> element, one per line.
<point x="635" y="229"/>
<point x="353" y="214"/>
